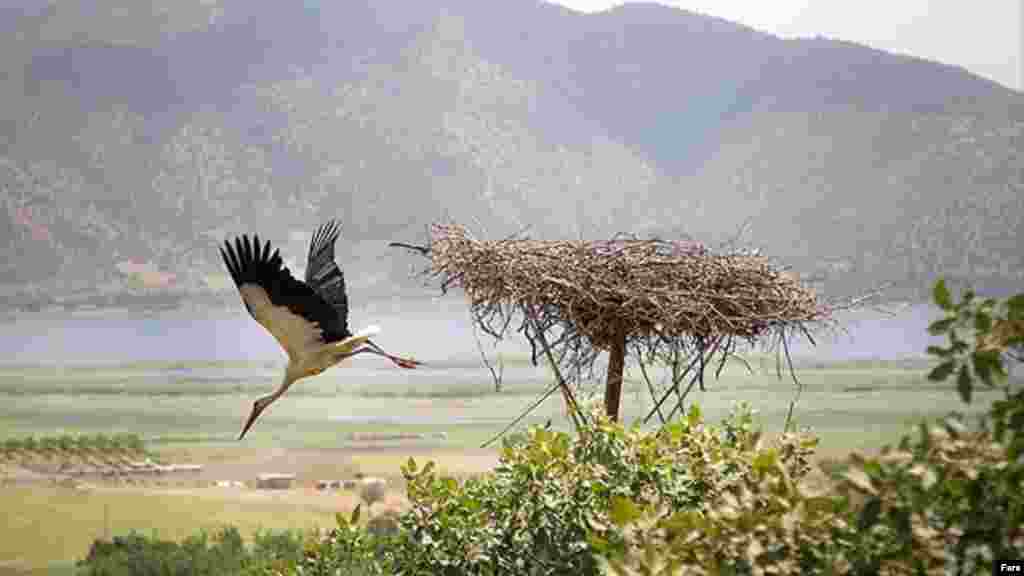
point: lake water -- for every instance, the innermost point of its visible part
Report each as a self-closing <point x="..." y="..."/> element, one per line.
<point x="437" y="330"/>
<point x="369" y="390"/>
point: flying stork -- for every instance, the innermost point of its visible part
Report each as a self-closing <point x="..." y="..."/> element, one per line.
<point x="308" y="319"/>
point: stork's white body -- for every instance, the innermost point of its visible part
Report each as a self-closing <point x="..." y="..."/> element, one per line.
<point x="301" y="339"/>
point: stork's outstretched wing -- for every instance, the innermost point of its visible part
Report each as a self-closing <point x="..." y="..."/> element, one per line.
<point x="322" y="272"/>
<point x="289" y="309"/>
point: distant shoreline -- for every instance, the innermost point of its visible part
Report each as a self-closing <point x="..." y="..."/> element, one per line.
<point x="140" y="306"/>
<point x="132" y="304"/>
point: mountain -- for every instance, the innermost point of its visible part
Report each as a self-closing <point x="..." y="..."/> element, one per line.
<point x="146" y="133"/>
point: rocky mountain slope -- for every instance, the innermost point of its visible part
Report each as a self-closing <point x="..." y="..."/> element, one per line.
<point x="133" y="139"/>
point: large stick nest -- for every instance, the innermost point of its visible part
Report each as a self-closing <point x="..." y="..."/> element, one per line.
<point x="640" y="288"/>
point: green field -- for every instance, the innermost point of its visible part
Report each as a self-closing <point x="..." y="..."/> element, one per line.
<point x="850" y="405"/>
<point x="858" y="405"/>
<point x="40" y="520"/>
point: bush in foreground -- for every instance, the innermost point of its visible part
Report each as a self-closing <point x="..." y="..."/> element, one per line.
<point x="948" y="499"/>
<point x="222" y="555"/>
<point x="691" y="499"/>
<point x="558" y="505"/>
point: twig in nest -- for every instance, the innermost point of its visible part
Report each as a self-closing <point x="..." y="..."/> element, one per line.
<point x="424" y="250"/>
<point x="522" y="415"/>
<point x="497" y="375"/>
<point x="650" y="386"/>
<point x="728" y="352"/>
<point x="574" y="410"/>
<point x="799" y="385"/>
<point x="675" y="383"/>
<point x="680" y="407"/>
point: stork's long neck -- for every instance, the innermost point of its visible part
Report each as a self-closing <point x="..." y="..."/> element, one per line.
<point x="291" y="374"/>
<point x="267" y="400"/>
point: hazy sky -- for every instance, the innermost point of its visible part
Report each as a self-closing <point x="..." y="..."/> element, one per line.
<point x="981" y="36"/>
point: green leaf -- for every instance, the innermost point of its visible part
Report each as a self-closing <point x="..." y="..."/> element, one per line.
<point x="765" y="460"/>
<point x="819" y="505"/>
<point x="356" y="513"/>
<point x="941" y="326"/>
<point x="968" y="297"/>
<point x="1016" y="307"/>
<point x="941" y="295"/>
<point x="869" y="514"/>
<point x="939" y="351"/>
<point x="873" y="468"/>
<point x="623" y="511"/>
<point x="988" y="366"/>
<point x="959" y="345"/>
<point x="1000" y="374"/>
<point x="942" y="371"/>
<point x="693" y="417"/>
<point x="982" y="322"/>
<point x="1017" y="420"/>
<point x="964" y="385"/>
<point x="600" y="545"/>
<point x="982" y="369"/>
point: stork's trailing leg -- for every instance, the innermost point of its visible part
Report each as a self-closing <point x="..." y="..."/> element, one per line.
<point x="374" y="349"/>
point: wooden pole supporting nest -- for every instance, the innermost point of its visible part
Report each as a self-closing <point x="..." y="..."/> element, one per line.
<point x="616" y="367"/>
<point x="572" y="407"/>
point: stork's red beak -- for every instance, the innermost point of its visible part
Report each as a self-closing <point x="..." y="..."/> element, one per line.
<point x="407" y="362"/>
<point x="257" y="409"/>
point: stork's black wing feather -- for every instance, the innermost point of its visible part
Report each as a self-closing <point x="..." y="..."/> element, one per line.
<point x="250" y="263"/>
<point x="322" y="272"/>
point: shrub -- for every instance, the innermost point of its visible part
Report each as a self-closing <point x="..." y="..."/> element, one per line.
<point x="946" y="497"/>
<point x="47" y="444"/>
<point x="996" y="327"/>
<point x="115" y="443"/>
<point x="222" y="555"/>
<point x="557" y="505"/>
<point x="101" y="442"/>
<point x="275" y="551"/>
<point x="384" y="524"/>
<point x="947" y="500"/>
<point x="133" y="443"/>
<point x="135" y="554"/>
<point x="955" y="492"/>
<point x="83" y="443"/>
<point x="347" y="549"/>
<point x="66" y="442"/>
<point x="755" y="516"/>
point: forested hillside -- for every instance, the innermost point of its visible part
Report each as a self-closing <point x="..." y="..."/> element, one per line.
<point x="133" y="138"/>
